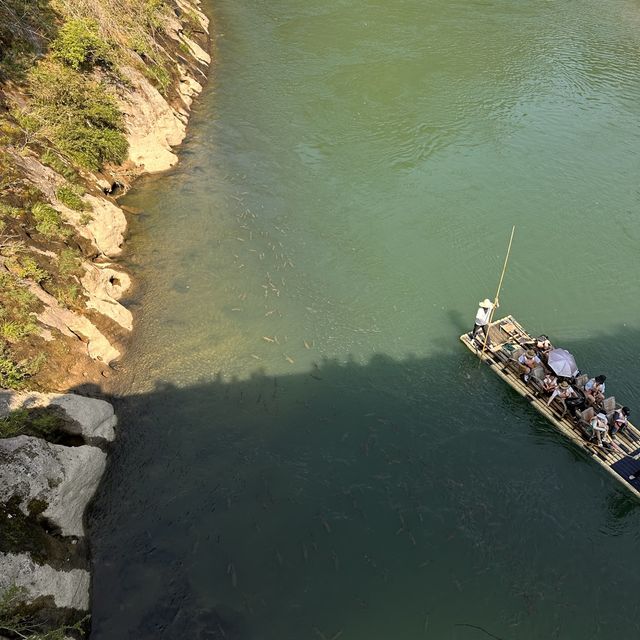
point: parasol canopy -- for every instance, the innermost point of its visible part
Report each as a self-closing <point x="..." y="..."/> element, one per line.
<point x="562" y="363"/>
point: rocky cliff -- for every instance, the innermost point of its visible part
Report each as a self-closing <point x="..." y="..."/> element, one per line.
<point x="92" y="94"/>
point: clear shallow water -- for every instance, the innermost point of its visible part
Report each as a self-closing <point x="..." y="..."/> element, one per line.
<point x="347" y="192"/>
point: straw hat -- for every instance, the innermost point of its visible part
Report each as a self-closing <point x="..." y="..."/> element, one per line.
<point x="564" y="384"/>
<point x="486" y="303"/>
<point x="530" y="353"/>
<point x="601" y="416"/>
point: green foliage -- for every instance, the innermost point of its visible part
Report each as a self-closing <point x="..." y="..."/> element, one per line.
<point x="10" y="133"/>
<point x="13" y="375"/>
<point x="26" y="267"/>
<point x="15" y="296"/>
<point x="80" y="46"/>
<point x="40" y="422"/>
<point x="57" y="164"/>
<point x="14" y="331"/>
<point x="10" y="211"/>
<point x="157" y="73"/>
<point x="77" y="115"/>
<point x="48" y="221"/>
<point x="69" y="263"/>
<point x="69" y="296"/>
<point x="25" y="27"/>
<point x="70" y="197"/>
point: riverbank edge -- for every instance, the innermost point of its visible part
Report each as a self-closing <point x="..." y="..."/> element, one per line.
<point x="63" y="478"/>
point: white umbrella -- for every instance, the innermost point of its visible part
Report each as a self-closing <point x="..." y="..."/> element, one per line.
<point x="562" y="363"/>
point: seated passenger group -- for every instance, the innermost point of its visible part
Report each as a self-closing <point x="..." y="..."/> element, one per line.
<point x="601" y="426"/>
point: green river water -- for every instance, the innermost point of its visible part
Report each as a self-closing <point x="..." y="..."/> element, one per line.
<point x="347" y="190"/>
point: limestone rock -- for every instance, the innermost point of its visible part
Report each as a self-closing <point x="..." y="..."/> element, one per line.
<point x="104" y="286"/>
<point x="63" y="478"/>
<point x="105" y="225"/>
<point x="152" y="126"/>
<point x="93" y="419"/>
<point x="70" y="589"/>
<point x="197" y="51"/>
<point x="73" y="324"/>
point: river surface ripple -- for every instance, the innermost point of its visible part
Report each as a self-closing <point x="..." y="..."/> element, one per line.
<point x="305" y="449"/>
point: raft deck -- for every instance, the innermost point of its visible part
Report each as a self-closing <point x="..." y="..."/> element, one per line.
<point x="507" y="337"/>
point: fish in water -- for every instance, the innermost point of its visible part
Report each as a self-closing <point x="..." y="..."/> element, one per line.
<point x="268" y="339"/>
<point x="325" y="524"/>
<point x="255" y="357"/>
<point x="306" y="344"/>
<point x="305" y="553"/>
<point x="231" y="570"/>
<point x="289" y="359"/>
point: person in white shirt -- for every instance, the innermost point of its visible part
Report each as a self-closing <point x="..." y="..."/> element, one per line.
<point x="482" y="318"/>
<point x="599" y="428"/>
<point x="529" y="361"/>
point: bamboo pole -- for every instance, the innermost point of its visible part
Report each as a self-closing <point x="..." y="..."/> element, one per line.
<point x="497" y="298"/>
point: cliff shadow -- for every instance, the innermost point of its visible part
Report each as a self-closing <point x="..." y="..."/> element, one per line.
<point x="395" y="498"/>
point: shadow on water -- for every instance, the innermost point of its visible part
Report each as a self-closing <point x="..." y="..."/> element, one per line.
<point x="401" y="499"/>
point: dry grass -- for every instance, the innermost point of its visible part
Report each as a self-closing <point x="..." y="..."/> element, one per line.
<point x="126" y="24"/>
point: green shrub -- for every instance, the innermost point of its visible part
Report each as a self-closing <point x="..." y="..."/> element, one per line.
<point x="48" y="221"/>
<point x="57" y="164"/>
<point x="77" y="115"/>
<point x="15" y="296"/>
<point x="33" y="422"/>
<point x="10" y="133"/>
<point x="80" y="46"/>
<point x="68" y="296"/>
<point x="10" y="211"/>
<point x="13" y="375"/>
<point x="157" y="73"/>
<point x="70" y="197"/>
<point x="26" y="267"/>
<point x="15" y="331"/>
<point x="69" y="263"/>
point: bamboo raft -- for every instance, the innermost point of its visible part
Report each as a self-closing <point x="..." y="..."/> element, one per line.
<point x="507" y="339"/>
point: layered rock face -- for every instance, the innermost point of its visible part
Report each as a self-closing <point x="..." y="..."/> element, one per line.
<point x="44" y="491"/>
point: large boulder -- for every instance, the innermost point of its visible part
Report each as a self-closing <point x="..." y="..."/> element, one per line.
<point x="90" y="418"/>
<point x="48" y="479"/>
<point x="69" y="589"/>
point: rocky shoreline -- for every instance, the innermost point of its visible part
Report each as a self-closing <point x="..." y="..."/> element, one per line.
<point x="48" y="479"/>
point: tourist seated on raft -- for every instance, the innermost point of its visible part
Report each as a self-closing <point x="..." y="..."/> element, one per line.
<point x="599" y="429"/>
<point x="542" y="345"/>
<point x="563" y="392"/>
<point x="549" y="383"/>
<point x="594" y="390"/>
<point x="528" y="362"/>
<point x="620" y="420"/>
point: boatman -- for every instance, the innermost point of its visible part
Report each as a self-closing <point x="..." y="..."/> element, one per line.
<point x="482" y="318"/>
